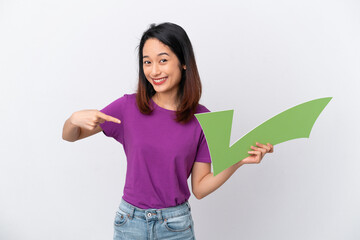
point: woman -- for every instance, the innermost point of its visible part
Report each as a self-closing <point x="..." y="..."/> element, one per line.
<point x="162" y="139"/>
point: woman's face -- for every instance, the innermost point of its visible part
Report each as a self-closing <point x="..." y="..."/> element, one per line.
<point x="161" y="67"/>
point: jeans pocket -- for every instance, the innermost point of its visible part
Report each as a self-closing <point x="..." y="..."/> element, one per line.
<point x="179" y="223"/>
<point x="120" y="218"/>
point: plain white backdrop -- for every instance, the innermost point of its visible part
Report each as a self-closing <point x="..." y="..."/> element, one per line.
<point x="257" y="57"/>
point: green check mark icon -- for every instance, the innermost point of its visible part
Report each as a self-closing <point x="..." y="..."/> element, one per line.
<point x="293" y="123"/>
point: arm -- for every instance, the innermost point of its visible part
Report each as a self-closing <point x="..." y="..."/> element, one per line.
<point x="73" y="133"/>
<point x="84" y="123"/>
<point x="70" y="132"/>
<point x="203" y="181"/>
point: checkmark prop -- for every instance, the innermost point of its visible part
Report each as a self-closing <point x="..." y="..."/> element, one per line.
<point x="293" y="123"/>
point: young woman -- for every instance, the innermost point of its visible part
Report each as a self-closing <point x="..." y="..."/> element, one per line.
<point x="162" y="139"/>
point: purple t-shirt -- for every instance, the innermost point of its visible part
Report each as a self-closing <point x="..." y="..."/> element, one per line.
<point x="160" y="152"/>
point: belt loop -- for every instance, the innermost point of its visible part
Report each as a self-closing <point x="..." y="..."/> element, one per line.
<point x="188" y="204"/>
<point x="159" y="214"/>
<point x="128" y="206"/>
<point x="131" y="213"/>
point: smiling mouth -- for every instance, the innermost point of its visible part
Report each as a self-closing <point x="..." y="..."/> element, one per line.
<point x="159" y="81"/>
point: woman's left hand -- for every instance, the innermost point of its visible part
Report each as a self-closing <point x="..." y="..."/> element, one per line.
<point x="258" y="153"/>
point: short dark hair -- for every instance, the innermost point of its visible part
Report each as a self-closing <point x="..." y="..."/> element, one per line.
<point x="189" y="92"/>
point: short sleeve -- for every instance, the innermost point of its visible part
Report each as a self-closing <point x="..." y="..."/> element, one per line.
<point x="203" y="153"/>
<point x="115" y="109"/>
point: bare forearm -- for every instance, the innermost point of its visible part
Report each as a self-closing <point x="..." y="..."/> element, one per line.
<point x="210" y="182"/>
<point x="71" y="132"/>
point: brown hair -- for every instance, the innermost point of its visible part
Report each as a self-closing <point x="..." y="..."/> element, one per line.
<point x="189" y="92"/>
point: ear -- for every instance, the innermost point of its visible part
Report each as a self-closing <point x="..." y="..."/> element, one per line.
<point x="184" y="67"/>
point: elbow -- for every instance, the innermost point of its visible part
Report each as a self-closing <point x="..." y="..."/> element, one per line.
<point x="67" y="139"/>
<point x="198" y="195"/>
<point x="64" y="138"/>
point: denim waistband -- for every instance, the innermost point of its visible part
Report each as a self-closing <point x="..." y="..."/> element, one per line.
<point x="154" y="214"/>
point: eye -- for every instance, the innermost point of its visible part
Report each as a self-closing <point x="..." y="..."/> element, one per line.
<point x="146" y="62"/>
<point x="163" y="60"/>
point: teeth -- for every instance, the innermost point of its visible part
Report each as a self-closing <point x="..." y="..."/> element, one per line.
<point x="159" y="80"/>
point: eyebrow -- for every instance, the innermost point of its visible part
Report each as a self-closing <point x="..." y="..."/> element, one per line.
<point x="163" y="53"/>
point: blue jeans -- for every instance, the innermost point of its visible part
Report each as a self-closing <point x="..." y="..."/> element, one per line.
<point x="168" y="223"/>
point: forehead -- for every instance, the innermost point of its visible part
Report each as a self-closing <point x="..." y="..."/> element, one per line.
<point x="153" y="47"/>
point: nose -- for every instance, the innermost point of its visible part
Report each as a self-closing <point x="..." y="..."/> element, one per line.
<point x="155" y="71"/>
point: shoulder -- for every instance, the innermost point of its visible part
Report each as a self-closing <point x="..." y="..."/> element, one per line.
<point x="119" y="103"/>
<point x="130" y="97"/>
<point x="127" y="99"/>
<point x="201" y="109"/>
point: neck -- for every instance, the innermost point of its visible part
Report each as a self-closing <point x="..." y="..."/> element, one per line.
<point x="167" y="100"/>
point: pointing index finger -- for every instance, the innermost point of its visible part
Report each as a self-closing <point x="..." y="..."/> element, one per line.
<point x="109" y="118"/>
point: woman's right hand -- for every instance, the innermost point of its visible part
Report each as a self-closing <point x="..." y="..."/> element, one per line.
<point x="90" y="119"/>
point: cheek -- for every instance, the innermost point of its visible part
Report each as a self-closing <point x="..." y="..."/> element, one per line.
<point x="178" y="73"/>
<point x="146" y="71"/>
<point x="175" y="70"/>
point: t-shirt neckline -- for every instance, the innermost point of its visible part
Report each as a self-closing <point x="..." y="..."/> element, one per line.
<point x="161" y="108"/>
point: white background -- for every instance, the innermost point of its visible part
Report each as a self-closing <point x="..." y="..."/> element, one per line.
<point x="257" y="57"/>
